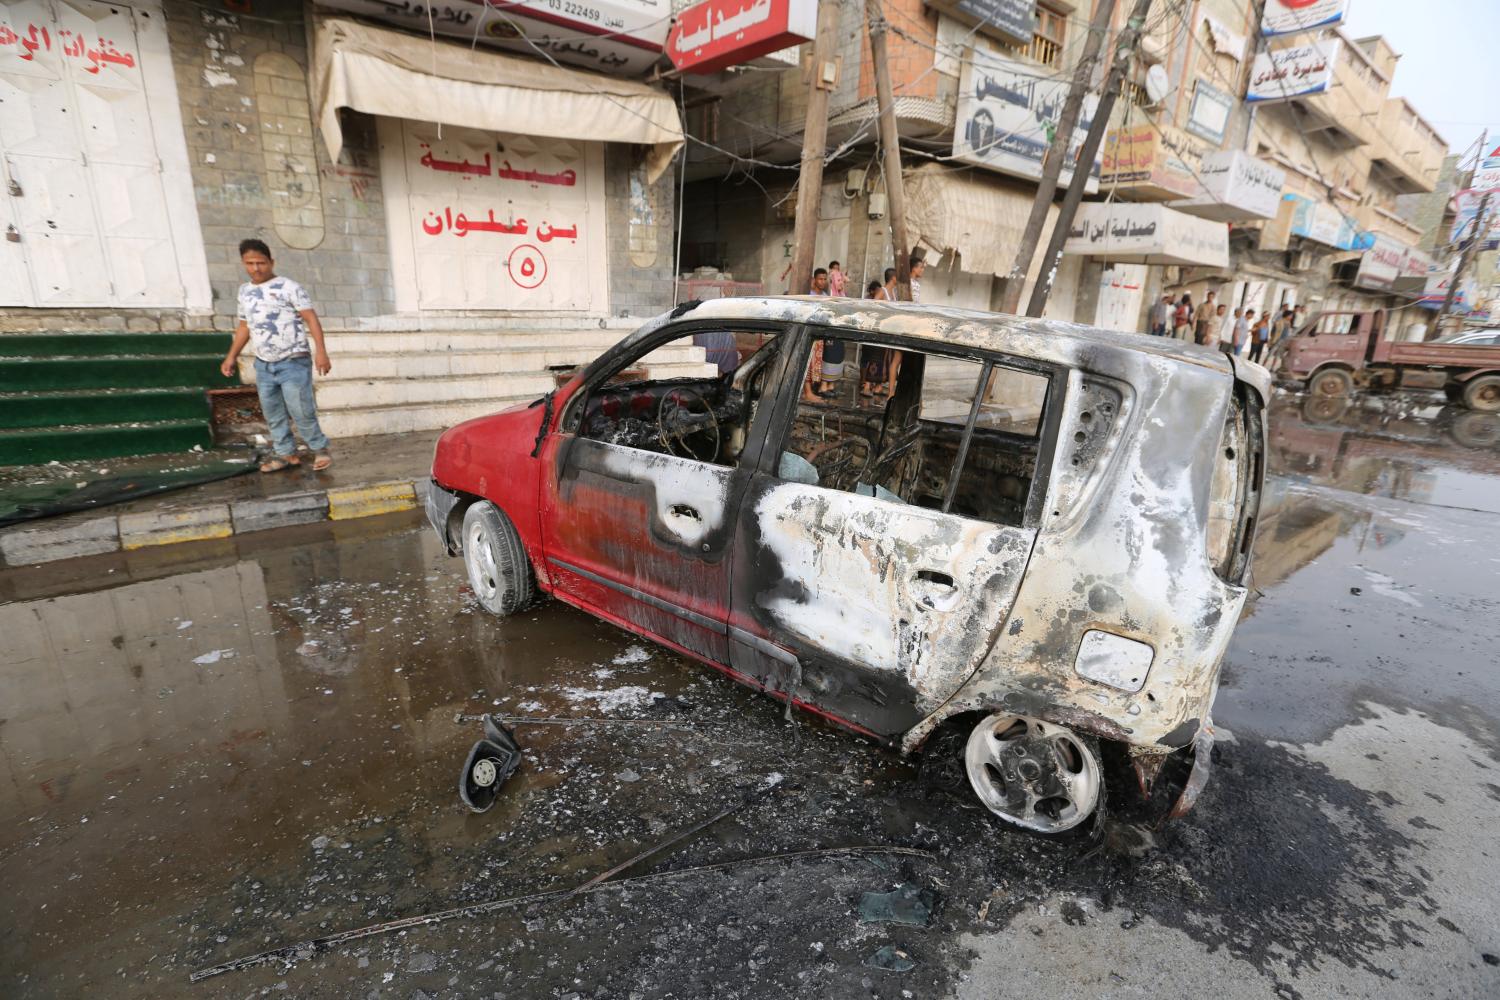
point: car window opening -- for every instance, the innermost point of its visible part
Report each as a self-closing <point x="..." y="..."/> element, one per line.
<point x="704" y="415"/>
<point x="940" y="432"/>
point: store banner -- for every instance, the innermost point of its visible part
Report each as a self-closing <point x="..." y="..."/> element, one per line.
<point x="1322" y="223"/>
<point x="1208" y="114"/>
<point x="1236" y="187"/>
<point x="1156" y="161"/>
<point x="1382" y="264"/>
<point x="1007" y="115"/>
<point x="1466" y="209"/>
<point x="716" y="34"/>
<point x="1286" y="17"/>
<point x="620" y="37"/>
<point x="1145" y="233"/>
<point x="1296" y="71"/>
<point x="1122" y="288"/>
<point x="1013" y="21"/>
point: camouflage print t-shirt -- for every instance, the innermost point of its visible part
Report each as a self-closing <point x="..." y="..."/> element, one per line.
<point x="270" y="310"/>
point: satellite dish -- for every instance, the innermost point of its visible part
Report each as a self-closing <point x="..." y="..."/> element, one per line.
<point x="1157" y="84"/>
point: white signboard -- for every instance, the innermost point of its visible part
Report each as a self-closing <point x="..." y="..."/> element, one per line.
<point x="1121" y="291"/>
<point x="1382" y="264"/>
<point x="1007" y="114"/>
<point x="1285" y="17"/>
<point x="1296" y="71"/>
<point x="1147" y="234"/>
<point x="1237" y="187"/>
<point x="485" y="220"/>
<point x="620" y="37"/>
<point x="1208" y="115"/>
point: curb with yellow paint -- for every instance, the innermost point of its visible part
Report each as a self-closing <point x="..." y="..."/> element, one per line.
<point x="73" y="538"/>
<point x="375" y="498"/>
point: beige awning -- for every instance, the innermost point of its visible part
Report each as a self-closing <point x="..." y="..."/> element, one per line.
<point x="383" y="72"/>
<point x="972" y="213"/>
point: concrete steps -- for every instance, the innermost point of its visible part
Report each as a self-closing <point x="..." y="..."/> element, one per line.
<point x="391" y="382"/>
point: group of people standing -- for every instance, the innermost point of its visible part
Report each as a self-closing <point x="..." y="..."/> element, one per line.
<point x="878" y="366"/>
<point x="1212" y="323"/>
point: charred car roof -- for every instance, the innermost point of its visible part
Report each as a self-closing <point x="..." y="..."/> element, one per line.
<point x="1043" y="339"/>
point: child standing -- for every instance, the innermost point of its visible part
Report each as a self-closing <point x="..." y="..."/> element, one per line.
<point x="837" y="281"/>
<point x="276" y="315"/>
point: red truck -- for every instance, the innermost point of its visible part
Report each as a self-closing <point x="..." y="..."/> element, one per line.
<point x="1337" y="351"/>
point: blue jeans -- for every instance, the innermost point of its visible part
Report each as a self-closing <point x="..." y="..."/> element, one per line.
<point x="286" y="391"/>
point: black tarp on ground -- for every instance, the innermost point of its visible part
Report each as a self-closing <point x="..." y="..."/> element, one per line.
<point x="31" y="492"/>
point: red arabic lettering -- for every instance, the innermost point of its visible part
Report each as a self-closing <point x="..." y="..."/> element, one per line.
<point x="70" y="44"/>
<point x="455" y="166"/>
<point x="566" y="178"/>
<point x="556" y="233"/>
<point x="460" y="224"/>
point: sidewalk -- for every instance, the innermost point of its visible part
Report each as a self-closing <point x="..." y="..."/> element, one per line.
<point x="370" y="475"/>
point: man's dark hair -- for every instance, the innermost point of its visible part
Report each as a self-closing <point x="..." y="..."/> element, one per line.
<point x="890" y="273"/>
<point x="872" y="288"/>
<point x="258" y="246"/>
<point x="818" y="271"/>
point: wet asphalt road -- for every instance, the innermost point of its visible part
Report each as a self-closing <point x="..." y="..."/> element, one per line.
<point x="210" y="751"/>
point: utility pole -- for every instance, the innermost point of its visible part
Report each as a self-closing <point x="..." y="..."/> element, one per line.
<point x="1463" y="259"/>
<point x="1124" y="47"/>
<point x="890" y="147"/>
<point x="1006" y="296"/>
<point x="1467" y="252"/>
<point x="814" y="148"/>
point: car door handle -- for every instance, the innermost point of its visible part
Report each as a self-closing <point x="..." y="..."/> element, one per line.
<point x="683" y="510"/>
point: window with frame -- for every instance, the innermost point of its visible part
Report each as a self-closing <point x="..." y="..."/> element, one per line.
<point x="694" y="396"/>
<point x="933" y="430"/>
<point x="1047" y="40"/>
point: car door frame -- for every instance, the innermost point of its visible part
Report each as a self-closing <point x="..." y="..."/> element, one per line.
<point x="626" y="599"/>
<point x="782" y="664"/>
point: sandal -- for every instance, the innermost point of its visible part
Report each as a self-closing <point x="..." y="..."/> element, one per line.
<point x="279" y="462"/>
<point x="322" y="460"/>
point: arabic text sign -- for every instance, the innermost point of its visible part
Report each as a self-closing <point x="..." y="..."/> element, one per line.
<point x="1012" y="20"/>
<point x="717" y="34"/>
<point x="622" y="37"/>
<point x="1007" y="113"/>
<point x="1159" y="160"/>
<point x="1147" y="233"/>
<point x="1466" y="205"/>
<point x="98" y="53"/>
<point x="1296" y="71"/>
<point x="1285" y="17"/>
<point x="1208" y="115"/>
<point x="1237" y="185"/>
<point x="1382" y="264"/>
<point x="1322" y="223"/>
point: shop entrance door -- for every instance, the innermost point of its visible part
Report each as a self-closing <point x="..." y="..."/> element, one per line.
<point x="83" y="213"/>
<point x="487" y="220"/>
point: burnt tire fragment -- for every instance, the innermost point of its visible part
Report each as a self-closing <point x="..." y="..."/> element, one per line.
<point x="489" y="764"/>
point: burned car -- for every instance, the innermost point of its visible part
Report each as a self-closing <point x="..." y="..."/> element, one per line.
<point x="899" y="518"/>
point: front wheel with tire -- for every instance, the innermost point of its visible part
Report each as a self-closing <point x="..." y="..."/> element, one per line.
<point x="1483" y="394"/>
<point x="1033" y="774"/>
<point x="498" y="568"/>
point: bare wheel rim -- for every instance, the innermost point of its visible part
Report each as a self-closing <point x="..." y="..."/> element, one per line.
<point x="479" y="556"/>
<point x="1032" y="773"/>
<point x="1331" y="383"/>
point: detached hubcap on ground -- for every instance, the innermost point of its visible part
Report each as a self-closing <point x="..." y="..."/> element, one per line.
<point x="1032" y="773"/>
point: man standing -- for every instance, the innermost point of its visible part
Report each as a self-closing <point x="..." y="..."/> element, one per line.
<point x="1259" y="334"/>
<point x="918" y="266"/>
<point x="1224" y="327"/>
<point x="276" y="314"/>
<point x="1205" y="318"/>
<point x="820" y="281"/>
<point x="1182" y="318"/>
<point x="1156" y="319"/>
<point x="1241" y="330"/>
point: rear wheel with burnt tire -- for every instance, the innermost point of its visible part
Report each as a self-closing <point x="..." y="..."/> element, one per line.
<point x="499" y="570"/>
<point x="1331" y="382"/>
